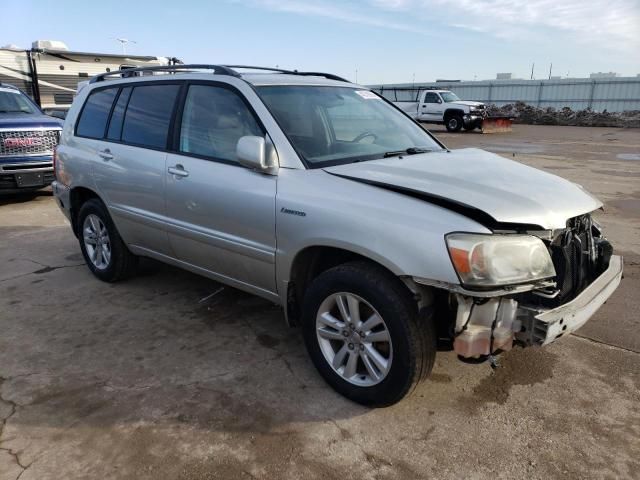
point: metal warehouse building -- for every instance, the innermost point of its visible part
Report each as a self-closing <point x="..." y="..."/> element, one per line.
<point x="614" y="94"/>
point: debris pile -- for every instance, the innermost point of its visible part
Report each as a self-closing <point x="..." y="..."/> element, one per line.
<point x="530" y="115"/>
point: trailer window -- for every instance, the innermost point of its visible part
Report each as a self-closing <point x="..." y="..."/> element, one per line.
<point x="93" y="119"/>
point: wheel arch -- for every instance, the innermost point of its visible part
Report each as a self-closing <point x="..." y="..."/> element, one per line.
<point x="311" y="261"/>
<point x="77" y="197"/>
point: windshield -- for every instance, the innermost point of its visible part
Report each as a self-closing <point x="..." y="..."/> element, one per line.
<point x="338" y="125"/>
<point x="449" y="97"/>
<point x="13" y="101"/>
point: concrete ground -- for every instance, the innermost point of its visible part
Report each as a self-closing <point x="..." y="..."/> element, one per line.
<point x="154" y="378"/>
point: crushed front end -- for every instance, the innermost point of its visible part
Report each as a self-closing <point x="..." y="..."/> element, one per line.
<point x="485" y="321"/>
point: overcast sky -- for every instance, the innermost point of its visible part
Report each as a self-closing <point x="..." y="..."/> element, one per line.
<point x="384" y="40"/>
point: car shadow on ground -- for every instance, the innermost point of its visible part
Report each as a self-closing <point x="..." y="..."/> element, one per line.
<point x="23" y="197"/>
<point x="167" y="347"/>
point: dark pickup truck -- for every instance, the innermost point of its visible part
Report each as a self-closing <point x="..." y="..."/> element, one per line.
<point x="27" y="141"/>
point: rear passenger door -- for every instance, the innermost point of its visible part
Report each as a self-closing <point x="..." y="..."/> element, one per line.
<point x="221" y="214"/>
<point x="131" y="165"/>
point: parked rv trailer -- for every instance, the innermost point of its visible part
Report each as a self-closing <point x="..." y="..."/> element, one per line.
<point x="49" y="73"/>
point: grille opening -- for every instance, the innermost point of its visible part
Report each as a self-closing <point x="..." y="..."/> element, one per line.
<point x="28" y="142"/>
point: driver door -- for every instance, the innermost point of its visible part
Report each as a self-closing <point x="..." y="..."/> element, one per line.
<point x="432" y="107"/>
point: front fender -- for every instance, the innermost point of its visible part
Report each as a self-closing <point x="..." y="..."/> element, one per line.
<point x="404" y="234"/>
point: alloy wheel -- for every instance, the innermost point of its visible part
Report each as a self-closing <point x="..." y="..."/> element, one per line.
<point x="96" y="241"/>
<point x="354" y="339"/>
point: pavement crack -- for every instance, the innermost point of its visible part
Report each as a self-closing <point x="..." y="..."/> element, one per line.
<point x="375" y="461"/>
<point x="600" y="342"/>
<point x="13" y="409"/>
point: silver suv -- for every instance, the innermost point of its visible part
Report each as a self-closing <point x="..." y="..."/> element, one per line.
<point x="325" y="198"/>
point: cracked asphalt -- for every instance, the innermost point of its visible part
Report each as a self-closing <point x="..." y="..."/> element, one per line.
<point x="168" y="375"/>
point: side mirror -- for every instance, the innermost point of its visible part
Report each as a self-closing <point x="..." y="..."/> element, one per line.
<point x="439" y="100"/>
<point x="253" y="152"/>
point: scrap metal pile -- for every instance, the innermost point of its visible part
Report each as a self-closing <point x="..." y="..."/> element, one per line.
<point x="530" y="115"/>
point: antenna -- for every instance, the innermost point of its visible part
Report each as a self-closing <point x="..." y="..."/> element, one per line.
<point x="124" y="42"/>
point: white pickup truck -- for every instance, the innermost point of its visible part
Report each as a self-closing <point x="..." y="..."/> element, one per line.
<point x="437" y="106"/>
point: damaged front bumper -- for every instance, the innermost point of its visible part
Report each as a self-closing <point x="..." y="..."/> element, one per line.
<point x="490" y="321"/>
<point x="541" y="327"/>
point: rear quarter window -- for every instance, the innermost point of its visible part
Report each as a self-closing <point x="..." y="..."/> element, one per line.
<point x="95" y="113"/>
<point x="148" y="116"/>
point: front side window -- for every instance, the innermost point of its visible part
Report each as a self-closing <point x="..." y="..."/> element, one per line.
<point x="213" y="120"/>
<point x="14" y="101"/>
<point x="93" y="119"/>
<point x="431" y="98"/>
<point x="148" y="116"/>
<point x="336" y="125"/>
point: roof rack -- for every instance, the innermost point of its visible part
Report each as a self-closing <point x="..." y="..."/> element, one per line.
<point x="328" y="76"/>
<point x="131" y="72"/>
<point x="217" y="70"/>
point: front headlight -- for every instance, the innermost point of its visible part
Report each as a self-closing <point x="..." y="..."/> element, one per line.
<point x="497" y="260"/>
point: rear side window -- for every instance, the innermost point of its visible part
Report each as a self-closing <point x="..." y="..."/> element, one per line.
<point x="93" y="119"/>
<point x="115" y="125"/>
<point x="147" y="119"/>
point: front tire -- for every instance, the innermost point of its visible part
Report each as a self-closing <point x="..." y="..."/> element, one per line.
<point x="454" y="123"/>
<point x="103" y="250"/>
<point x="364" y="334"/>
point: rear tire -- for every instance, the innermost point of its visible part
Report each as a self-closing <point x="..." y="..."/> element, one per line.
<point x="103" y="250"/>
<point x="454" y="123"/>
<point x="391" y="356"/>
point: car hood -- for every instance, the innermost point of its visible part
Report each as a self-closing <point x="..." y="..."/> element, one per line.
<point x="22" y="121"/>
<point x="484" y="186"/>
<point x="468" y="103"/>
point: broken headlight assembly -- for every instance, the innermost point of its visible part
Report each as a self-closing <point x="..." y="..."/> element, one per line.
<point x="483" y="261"/>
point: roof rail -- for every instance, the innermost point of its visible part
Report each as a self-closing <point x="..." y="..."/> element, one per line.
<point x="217" y="70"/>
<point x="329" y="76"/>
<point x="130" y="72"/>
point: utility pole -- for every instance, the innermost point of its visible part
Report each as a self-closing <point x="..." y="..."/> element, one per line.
<point x="550" y="67"/>
<point x="532" y="67"/>
<point x="123" y="42"/>
<point x="356" y="75"/>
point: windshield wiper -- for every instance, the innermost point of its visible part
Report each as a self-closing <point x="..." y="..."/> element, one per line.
<point x="13" y="111"/>
<point x="408" y="151"/>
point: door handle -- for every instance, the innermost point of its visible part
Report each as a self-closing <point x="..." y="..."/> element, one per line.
<point x="178" y="170"/>
<point x="105" y="155"/>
